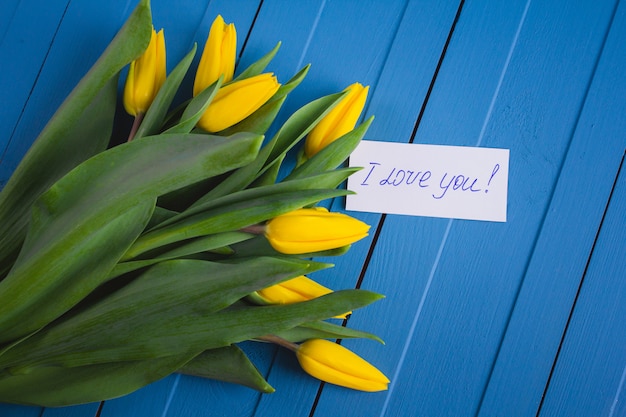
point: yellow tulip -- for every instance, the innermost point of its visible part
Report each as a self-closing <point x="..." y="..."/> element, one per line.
<point x="339" y="121"/>
<point x="218" y="57"/>
<point x="334" y="363"/>
<point x="238" y="100"/>
<point x="146" y="75"/>
<point x="312" y="230"/>
<point x="295" y="290"/>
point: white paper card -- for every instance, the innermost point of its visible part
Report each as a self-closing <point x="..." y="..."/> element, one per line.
<point x="430" y="180"/>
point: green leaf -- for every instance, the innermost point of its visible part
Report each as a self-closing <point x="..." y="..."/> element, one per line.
<point x="192" y="247"/>
<point x="300" y="123"/>
<point x="269" y="176"/>
<point x="69" y="138"/>
<point x="60" y="254"/>
<point x="195" y="109"/>
<point x="41" y="289"/>
<point x="160" y="215"/>
<point x="326" y="180"/>
<point x="245" y="323"/>
<point x="155" y="116"/>
<point x="333" y="155"/>
<point x="229" y="364"/>
<point x="259" y="246"/>
<point x="324" y="330"/>
<point x="58" y="386"/>
<point x="228" y="218"/>
<point x="163" y="312"/>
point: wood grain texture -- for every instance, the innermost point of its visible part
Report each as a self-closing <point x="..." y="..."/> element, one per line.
<point x="24" y="47"/>
<point x="479" y="318"/>
<point x="445" y="337"/>
<point x="561" y="252"/>
<point x="590" y="372"/>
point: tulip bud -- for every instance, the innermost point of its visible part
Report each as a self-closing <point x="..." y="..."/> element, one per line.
<point x="295" y="290"/>
<point x="313" y="230"/>
<point x="218" y="57"/>
<point x="238" y="100"/>
<point x="339" y="121"/>
<point x="145" y="77"/>
<point x="334" y="363"/>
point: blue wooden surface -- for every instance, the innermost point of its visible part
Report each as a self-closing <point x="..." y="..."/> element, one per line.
<point x="522" y="318"/>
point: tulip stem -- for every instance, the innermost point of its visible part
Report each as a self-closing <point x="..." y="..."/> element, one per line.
<point x="255" y="229"/>
<point x="135" y="127"/>
<point x="279" y="341"/>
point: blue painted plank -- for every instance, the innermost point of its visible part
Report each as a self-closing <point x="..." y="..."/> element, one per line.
<point x="12" y="410"/>
<point x="590" y="374"/>
<point x="83" y="410"/>
<point x="202" y="397"/>
<point x="559" y="258"/>
<point x="24" y="44"/>
<point x="7" y="15"/>
<point x="148" y="401"/>
<point x="449" y="320"/>
<point x="97" y="27"/>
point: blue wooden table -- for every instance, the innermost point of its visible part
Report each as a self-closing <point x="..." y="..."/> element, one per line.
<point x="520" y="318"/>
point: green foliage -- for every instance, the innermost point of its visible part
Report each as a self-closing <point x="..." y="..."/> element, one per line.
<point x="122" y="265"/>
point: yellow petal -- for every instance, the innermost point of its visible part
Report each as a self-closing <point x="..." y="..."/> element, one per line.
<point x="218" y="56"/>
<point x="295" y="290"/>
<point x="129" y="90"/>
<point x="238" y="100"/>
<point x="146" y="75"/>
<point x="334" y="363"/>
<point x="160" y="61"/>
<point x="339" y="121"/>
<point x="310" y="230"/>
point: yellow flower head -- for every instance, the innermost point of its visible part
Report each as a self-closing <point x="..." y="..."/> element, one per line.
<point x="295" y="290"/>
<point x="218" y="57"/>
<point x="312" y="230"/>
<point x="334" y="363"/>
<point x="339" y="121"/>
<point x="146" y="75"/>
<point x="238" y="100"/>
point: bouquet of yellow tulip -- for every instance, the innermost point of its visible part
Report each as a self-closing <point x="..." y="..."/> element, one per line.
<point x="121" y="265"/>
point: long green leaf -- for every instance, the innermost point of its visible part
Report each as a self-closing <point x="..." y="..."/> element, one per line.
<point x="194" y="246"/>
<point x="85" y="202"/>
<point x="259" y="246"/>
<point x="325" y="180"/>
<point x="58" y="386"/>
<point x="229" y="218"/>
<point x="324" y="330"/>
<point x="333" y="155"/>
<point x="155" y="116"/>
<point x="195" y="109"/>
<point x="142" y="319"/>
<point x="69" y="137"/>
<point x="229" y="364"/>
